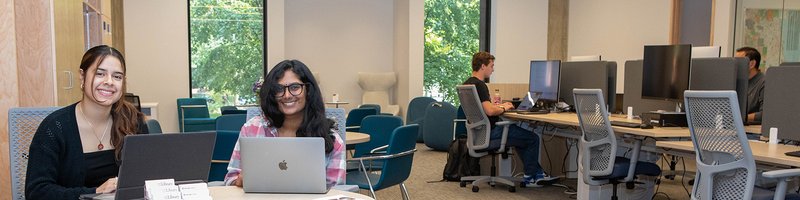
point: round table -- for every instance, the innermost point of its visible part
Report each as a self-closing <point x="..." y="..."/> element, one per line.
<point x="356" y="138"/>
<point x="233" y="192"/>
<point x="337" y="103"/>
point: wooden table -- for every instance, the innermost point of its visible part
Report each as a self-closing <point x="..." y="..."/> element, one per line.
<point x="356" y="138"/>
<point x="337" y="103"/>
<point x="233" y="192"/>
<point x="571" y="119"/>
<point x="762" y="151"/>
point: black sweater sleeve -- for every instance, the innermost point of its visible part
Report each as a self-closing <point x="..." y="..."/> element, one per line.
<point x="47" y="165"/>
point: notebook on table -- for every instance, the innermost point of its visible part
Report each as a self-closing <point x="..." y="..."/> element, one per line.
<point x="283" y="165"/>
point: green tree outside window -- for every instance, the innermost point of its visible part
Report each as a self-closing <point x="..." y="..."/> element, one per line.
<point x="227" y="50"/>
<point x="451" y="37"/>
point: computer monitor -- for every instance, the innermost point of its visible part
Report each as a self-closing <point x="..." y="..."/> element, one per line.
<point x="544" y="79"/>
<point x="666" y="71"/>
<point x="706" y="52"/>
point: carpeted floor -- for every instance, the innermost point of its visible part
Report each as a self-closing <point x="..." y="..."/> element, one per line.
<point x="428" y="165"/>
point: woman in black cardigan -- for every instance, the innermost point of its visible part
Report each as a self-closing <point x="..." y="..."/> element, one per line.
<point x="76" y="149"/>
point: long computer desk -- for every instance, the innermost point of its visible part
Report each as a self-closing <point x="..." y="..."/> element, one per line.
<point x="762" y="151"/>
<point x="571" y="119"/>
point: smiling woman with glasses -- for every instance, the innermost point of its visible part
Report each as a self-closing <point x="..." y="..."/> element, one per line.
<point x="300" y="113"/>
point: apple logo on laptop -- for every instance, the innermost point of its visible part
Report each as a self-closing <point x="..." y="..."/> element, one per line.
<point x="282" y="165"/>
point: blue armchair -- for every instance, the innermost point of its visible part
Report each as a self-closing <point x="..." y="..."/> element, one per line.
<point x="193" y="115"/>
<point x="228" y="127"/>
<point x="416" y="113"/>
<point x="355" y="116"/>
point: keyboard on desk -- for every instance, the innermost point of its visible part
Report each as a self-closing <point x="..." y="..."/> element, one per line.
<point x="626" y="124"/>
<point x="533" y="112"/>
<point x="793" y="153"/>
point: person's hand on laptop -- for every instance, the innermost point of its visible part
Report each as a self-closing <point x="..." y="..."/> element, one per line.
<point x="108" y="187"/>
<point x="508" y="105"/>
<point x="238" y="181"/>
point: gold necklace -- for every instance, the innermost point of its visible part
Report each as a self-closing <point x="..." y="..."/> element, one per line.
<point x="100" y="139"/>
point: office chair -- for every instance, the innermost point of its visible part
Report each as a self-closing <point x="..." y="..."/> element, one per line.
<point x="416" y="113"/>
<point x="22" y="125"/>
<point x="725" y="165"/>
<point x="600" y="163"/>
<point x="478" y="139"/>
<point x="133" y="99"/>
<point x="375" y="106"/>
<point x="396" y="163"/>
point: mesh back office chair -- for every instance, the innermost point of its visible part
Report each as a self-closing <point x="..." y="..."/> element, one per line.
<point x="133" y="99"/>
<point x="22" y="125"/>
<point x="478" y="138"/>
<point x="599" y="159"/>
<point x="416" y="113"/>
<point x="725" y="165"/>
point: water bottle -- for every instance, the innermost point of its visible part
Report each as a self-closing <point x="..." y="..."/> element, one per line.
<point x="497" y="99"/>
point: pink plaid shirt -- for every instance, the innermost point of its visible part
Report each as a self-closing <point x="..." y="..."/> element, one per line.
<point x="259" y="127"/>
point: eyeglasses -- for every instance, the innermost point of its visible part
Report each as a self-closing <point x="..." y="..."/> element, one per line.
<point x="294" y="89"/>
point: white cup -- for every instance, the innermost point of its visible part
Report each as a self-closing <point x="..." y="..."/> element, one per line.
<point x="335" y="97"/>
<point x="773" y="135"/>
<point x="630" y="112"/>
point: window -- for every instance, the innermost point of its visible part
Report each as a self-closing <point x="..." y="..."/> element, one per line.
<point x="772" y="27"/>
<point x="454" y="30"/>
<point x="226" y="41"/>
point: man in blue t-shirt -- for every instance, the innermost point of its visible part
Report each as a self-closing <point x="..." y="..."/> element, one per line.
<point x="526" y="142"/>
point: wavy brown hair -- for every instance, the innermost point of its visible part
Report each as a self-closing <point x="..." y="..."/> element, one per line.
<point x="125" y="116"/>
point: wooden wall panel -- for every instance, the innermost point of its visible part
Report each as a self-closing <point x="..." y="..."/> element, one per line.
<point x="117" y="26"/>
<point x="9" y="91"/>
<point x="509" y="91"/>
<point x="34" y="53"/>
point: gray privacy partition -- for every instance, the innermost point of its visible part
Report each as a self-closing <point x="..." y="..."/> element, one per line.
<point x="706" y="74"/>
<point x="589" y="75"/>
<point x="721" y="74"/>
<point x="781" y="93"/>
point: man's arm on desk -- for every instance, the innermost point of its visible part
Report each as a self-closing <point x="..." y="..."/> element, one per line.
<point x="496" y="110"/>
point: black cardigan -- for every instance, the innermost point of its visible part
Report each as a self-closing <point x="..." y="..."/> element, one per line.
<point x="56" y="163"/>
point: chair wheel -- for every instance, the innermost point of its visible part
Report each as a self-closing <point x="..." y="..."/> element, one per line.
<point x="512" y="189"/>
<point x="492" y="184"/>
<point x="474" y="188"/>
<point x="462" y="184"/>
<point x="630" y="185"/>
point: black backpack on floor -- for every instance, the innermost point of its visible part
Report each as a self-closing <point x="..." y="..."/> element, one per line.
<point x="459" y="162"/>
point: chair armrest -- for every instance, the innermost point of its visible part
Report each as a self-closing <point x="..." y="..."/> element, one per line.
<point x="783" y="173"/>
<point x="383" y="157"/>
<point x="220" y="161"/>
<point x="504" y="123"/>
<point x="380" y="148"/>
<point x="503" y="140"/>
<point x="352" y="127"/>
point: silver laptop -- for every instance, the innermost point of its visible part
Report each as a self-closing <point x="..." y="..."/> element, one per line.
<point x="527" y="102"/>
<point x="283" y="164"/>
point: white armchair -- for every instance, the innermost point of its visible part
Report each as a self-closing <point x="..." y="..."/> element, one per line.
<point x="376" y="88"/>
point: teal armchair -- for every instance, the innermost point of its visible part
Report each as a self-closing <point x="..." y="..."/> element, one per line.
<point x="193" y="115"/>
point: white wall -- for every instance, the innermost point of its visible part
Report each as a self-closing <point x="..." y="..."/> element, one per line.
<point x="408" y="50"/>
<point x="518" y="35"/>
<point x="617" y="29"/>
<point x="338" y="39"/>
<point x="157" y="56"/>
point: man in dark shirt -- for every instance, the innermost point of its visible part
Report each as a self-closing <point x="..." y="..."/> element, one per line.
<point x="755" y="85"/>
<point x="526" y="142"/>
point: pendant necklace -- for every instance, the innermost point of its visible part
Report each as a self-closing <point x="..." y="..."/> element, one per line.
<point x="100" y="139"/>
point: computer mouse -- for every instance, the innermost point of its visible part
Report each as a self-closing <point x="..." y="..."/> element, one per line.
<point x="646" y="126"/>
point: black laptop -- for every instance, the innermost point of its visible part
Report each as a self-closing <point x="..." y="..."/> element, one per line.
<point x="185" y="157"/>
